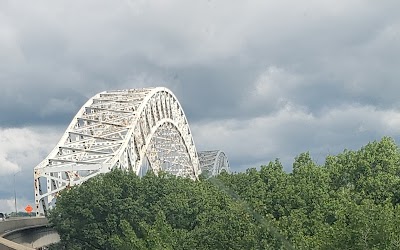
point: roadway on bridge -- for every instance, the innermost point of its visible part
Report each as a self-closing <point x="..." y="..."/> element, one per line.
<point x="26" y="233"/>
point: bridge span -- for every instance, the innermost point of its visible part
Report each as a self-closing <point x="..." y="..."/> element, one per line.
<point x="135" y="130"/>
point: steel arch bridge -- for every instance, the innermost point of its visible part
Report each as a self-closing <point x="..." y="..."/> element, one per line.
<point x="135" y="130"/>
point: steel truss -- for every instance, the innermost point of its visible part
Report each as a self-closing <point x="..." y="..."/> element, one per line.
<point x="135" y="130"/>
<point x="213" y="162"/>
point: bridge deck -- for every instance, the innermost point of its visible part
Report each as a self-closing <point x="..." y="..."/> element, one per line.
<point x="13" y="225"/>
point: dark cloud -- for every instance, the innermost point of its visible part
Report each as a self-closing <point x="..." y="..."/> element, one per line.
<point x="38" y="104"/>
<point x="339" y="51"/>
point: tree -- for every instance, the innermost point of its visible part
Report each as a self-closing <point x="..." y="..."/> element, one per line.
<point x="119" y="210"/>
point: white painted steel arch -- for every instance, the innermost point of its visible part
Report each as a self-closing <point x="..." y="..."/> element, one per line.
<point x="213" y="162"/>
<point x="135" y="130"/>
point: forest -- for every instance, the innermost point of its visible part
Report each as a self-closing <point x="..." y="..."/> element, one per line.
<point x="351" y="201"/>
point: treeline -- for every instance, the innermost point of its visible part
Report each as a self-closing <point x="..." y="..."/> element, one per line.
<point x="350" y="202"/>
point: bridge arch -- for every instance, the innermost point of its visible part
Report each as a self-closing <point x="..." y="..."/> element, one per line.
<point x="213" y="162"/>
<point x="118" y="129"/>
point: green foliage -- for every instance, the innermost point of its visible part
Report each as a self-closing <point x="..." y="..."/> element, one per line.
<point x="350" y="202"/>
<point x="122" y="211"/>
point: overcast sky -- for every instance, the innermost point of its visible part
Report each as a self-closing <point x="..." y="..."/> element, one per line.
<point x="258" y="79"/>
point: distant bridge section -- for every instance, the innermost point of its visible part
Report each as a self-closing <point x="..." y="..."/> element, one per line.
<point x="212" y="163"/>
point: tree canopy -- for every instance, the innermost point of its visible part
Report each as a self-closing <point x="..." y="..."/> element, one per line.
<point x="119" y="210"/>
<point x="349" y="202"/>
